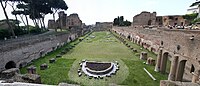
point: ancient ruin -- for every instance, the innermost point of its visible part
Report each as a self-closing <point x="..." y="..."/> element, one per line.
<point x="147" y="18"/>
<point x="66" y="22"/>
<point x="180" y="47"/>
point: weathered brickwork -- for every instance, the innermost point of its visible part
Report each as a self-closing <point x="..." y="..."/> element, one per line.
<point x="20" y="53"/>
<point x="181" y="47"/>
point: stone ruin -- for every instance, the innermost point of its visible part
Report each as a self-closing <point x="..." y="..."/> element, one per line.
<point x="180" y="47"/>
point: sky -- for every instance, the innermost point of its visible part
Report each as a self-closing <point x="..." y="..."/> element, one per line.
<point x="91" y="11"/>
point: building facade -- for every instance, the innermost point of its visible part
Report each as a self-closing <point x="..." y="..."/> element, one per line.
<point x="66" y="22"/>
<point x="147" y="18"/>
<point x="102" y="26"/>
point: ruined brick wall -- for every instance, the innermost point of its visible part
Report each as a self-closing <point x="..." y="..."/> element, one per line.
<point x="23" y="52"/>
<point x="187" y="40"/>
<point x="145" y="18"/>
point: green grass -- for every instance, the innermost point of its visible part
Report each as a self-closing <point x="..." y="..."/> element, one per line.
<point x="138" y="77"/>
<point x="103" y="47"/>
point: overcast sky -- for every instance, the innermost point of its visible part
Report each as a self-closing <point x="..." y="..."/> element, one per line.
<point x="91" y="11"/>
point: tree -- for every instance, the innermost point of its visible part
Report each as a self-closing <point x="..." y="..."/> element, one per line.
<point x="23" y="9"/>
<point x="119" y="21"/>
<point x="127" y="23"/>
<point x="6" y="15"/>
<point x="197" y="3"/>
<point x="190" y="17"/>
<point x="116" y="22"/>
<point x="12" y="4"/>
<point x="57" y="5"/>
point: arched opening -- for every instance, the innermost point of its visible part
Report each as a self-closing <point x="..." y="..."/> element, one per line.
<point x="129" y="37"/>
<point x="180" y="70"/>
<point x="192" y="69"/>
<point x="149" y="22"/>
<point x="165" y="63"/>
<point x="10" y="65"/>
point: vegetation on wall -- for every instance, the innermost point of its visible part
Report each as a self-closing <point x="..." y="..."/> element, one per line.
<point x="191" y="17"/>
<point x="119" y="21"/>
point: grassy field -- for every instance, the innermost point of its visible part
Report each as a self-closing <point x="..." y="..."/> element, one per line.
<point x="102" y="47"/>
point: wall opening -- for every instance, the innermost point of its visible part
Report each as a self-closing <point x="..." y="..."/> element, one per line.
<point x="149" y="22"/>
<point x="10" y="65"/>
<point x="192" y="69"/>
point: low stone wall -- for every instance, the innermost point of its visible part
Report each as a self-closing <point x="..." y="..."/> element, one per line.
<point x="20" y="53"/>
<point x="176" y="83"/>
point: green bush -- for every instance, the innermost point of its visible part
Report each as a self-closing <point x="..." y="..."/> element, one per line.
<point x="35" y="30"/>
<point x="4" y="33"/>
<point x="19" y="32"/>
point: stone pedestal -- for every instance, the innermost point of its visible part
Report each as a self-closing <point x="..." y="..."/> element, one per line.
<point x="134" y="50"/>
<point x="58" y="56"/>
<point x="43" y="66"/>
<point x="150" y="61"/>
<point x="31" y="70"/>
<point x="52" y="60"/>
<point x="143" y="55"/>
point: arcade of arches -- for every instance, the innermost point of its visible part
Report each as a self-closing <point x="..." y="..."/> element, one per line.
<point x="184" y="62"/>
<point x="10" y="65"/>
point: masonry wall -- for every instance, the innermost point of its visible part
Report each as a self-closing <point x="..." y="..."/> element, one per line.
<point x="23" y="52"/>
<point x="187" y="40"/>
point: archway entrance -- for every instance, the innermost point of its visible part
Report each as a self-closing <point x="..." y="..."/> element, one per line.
<point x="165" y="63"/>
<point x="180" y="70"/>
<point x="149" y="22"/>
<point x="10" y="65"/>
<point x="129" y="37"/>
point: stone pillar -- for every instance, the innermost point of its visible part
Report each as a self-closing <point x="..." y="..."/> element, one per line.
<point x="195" y="77"/>
<point x="180" y="70"/>
<point x="173" y="68"/>
<point x="143" y="55"/>
<point x="158" y="63"/>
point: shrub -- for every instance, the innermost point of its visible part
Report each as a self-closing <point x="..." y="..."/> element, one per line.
<point x="4" y="33"/>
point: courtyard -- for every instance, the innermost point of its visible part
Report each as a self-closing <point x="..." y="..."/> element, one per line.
<point x="98" y="46"/>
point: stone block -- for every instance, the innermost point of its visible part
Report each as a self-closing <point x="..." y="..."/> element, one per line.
<point x="134" y="50"/>
<point x="7" y="74"/>
<point x="52" y="60"/>
<point x="151" y="61"/>
<point x="63" y="52"/>
<point x="32" y="78"/>
<point x="43" y="66"/>
<point x="143" y="55"/>
<point x="58" y="56"/>
<point x="31" y="70"/>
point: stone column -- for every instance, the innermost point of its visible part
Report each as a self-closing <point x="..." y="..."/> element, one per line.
<point x="173" y="68"/>
<point x="143" y="55"/>
<point x="195" y="77"/>
<point x="159" y="56"/>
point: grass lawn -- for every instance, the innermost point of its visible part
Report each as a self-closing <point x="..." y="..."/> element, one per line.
<point x="102" y="47"/>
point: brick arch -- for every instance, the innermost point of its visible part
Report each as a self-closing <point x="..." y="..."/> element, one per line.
<point x="180" y="70"/>
<point x="10" y="64"/>
<point x="164" y="59"/>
